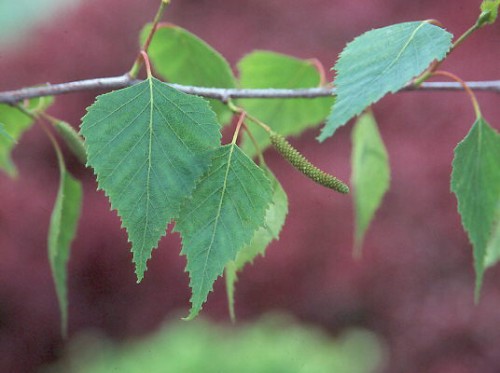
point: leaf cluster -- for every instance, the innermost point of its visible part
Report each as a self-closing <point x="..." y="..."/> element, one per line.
<point x="157" y="152"/>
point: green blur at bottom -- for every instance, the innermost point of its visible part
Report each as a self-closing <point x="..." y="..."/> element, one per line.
<point x="273" y="344"/>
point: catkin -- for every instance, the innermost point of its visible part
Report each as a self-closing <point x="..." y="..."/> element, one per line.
<point x="298" y="161"/>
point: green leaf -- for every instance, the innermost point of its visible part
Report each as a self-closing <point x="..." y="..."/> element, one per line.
<point x="492" y="256"/>
<point x="15" y="124"/>
<point x="475" y="180"/>
<point x="370" y="173"/>
<point x="382" y="61"/>
<point x="72" y="139"/>
<point x="489" y="12"/>
<point x="181" y="57"/>
<point x="148" y="144"/>
<point x="62" y="229"/>
<point x="269" y="231"/>
<point x="263" y="69"/>
<point x="5" y="134"/>
<point x="227" y="206"/>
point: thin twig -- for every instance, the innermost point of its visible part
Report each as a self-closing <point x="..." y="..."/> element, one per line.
<point x="223" y="94"/>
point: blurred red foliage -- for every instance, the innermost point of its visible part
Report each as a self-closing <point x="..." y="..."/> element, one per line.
<point x="414" y="285"/>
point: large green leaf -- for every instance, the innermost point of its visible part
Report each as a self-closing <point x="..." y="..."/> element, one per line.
<point x="269" y="231"/>
<point x="227" y="206"/>
<point x="475" y="180"/>
<point x="181" y="57"/>
<point x="15" y="123"/>
<point x="382" y="61"/>
<point x="263" y="69"/>
<point x="62" y="229"/>
<point x="370" y="173"/>
<point x="148" y="144"/>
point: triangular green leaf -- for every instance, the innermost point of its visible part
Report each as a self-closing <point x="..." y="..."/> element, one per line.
<point x="262" y="69"/>
<point x="181" y="57"/>
<point x="370" y="173"/>
<point x="15" y="123"/>
<point x="148" y="144"/>
<point x="62" y="229"/>
<point x="227" y="206"/>
<point x="269" y="231"/>
<point x="475" y="180"/>
<point x="382" y="61"/>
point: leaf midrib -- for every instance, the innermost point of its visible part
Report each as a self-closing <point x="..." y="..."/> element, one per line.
<point x="217" y="217"/>
<point x="148" y="178"/>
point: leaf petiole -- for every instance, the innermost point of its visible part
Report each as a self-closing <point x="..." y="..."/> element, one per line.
<point x="238" y="127"/>
<point x="469" y="91"/>
<point x="136" y="67"/>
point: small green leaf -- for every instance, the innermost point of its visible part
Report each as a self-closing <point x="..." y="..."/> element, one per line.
<point x="62" y="230"/>
<point x="5" y="134"/>
<point x="227" y="206"/>
<point x="148" y="144"/>
<point x="72" y="139"/>
<point x="269" y="231"/>
<point x="370" y="173"/>
<point x="382" y="61"/>
<point x="475" y="180"/>
<point x="262" y="69"/>
<point x="15" y="124"/>
<point x="489" y="12"/>
<point x="181" y="57"/>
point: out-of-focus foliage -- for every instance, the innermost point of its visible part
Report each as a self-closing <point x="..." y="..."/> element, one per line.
<point x="274" y="344"/>
<point x="62" y="229"/>
<point x="14" y="124"/>
<point x="489" y="12"/>
<point x="17" y="17"/>
<point x="370" y="173"/>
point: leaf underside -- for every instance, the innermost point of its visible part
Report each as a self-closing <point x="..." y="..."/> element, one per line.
<point x="148" y="144"/>
<point x="492" y="255"/>
<point x="15" y="124"/>
<point x="370" y="173"/>
<point x="263" y="69"/>
<point x="475" y="180"/>
<point x="263" y="236"/>
<point x="62" y="230"/>
<point x="382" y="61"/>
<point x="227" y="206"/>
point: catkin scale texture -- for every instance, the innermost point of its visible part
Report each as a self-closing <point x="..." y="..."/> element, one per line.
<point x="300" y="162"/>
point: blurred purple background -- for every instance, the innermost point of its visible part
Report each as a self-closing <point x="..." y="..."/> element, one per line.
<point x="414" y="285"/>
